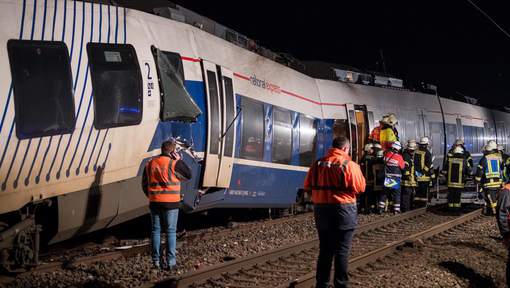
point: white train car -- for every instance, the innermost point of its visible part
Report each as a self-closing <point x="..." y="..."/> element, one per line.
<point x="89" y="91"/>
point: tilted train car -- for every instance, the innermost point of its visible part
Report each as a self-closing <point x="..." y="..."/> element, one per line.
<point x="89" y="91"/>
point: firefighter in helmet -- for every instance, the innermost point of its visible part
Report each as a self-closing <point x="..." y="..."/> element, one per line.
<point x="489" y="175"/>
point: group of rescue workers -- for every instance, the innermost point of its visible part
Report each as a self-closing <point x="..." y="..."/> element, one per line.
<point x="399" y="178"/>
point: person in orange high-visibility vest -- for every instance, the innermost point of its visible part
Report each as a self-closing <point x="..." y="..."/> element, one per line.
<point x="334" y="182"/>
<point x="161" y="182"/>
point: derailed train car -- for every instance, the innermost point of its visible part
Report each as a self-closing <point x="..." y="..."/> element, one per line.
<point x="89" y="91"/>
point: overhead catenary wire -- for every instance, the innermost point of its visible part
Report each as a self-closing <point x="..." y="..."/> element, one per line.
<point x="489" y="18"/>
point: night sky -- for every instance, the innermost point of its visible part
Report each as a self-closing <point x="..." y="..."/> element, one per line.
<point x="447" y="43"/>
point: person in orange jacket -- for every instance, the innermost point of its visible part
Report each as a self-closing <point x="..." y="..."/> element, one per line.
<point x="386" y="133"/>
<point x="334" y="182"/>
<point x="161" y="182"/>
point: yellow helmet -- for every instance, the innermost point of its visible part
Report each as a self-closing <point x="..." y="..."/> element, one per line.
<point x="392" y="119"/>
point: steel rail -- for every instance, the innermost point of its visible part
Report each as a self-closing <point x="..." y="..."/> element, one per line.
<point x="237" y="264"/>
<point x="308" y="280"/>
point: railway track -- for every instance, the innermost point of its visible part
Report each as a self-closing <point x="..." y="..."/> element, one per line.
<point x="293" y="265"/>
<point x="114" y="252"/>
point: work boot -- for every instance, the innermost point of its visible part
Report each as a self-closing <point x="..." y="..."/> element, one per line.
<point x="156" y="266"/>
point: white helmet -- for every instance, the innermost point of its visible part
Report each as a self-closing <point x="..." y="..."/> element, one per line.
<point x="377" y="146"/>
<point x="458" y="150"/>
<point x="368" y="147"/>
<point x="411" y="144"/>
<point x="501" y="147"/>
<point x="396" y="146"/>
<point x="385" y="119"/>
<point x="459" y="141"/>
<point x="491" y="145"/>
<point x="424" y="140"/>
<point x="392" y="119"/>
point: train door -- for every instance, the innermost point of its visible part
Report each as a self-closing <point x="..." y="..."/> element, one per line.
<point x="221" y="107"/>
<point x="358" y="118"/>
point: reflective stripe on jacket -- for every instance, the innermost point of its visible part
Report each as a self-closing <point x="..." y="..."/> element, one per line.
<point x="335" y="179"/>
<point x="409" y="178"/>
<point x="423" y="165"/>
<point x="458" y="168"/>
<point x="393" y="164"/>
<point x="489" y="171"/>
<point x="163" y="185"/>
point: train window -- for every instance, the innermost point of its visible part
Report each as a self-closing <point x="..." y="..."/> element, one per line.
<point x="307" y="138"/>
<point x="43" y="91"/>
<point x="252" y="140"/>
<point x="116" y="85"/>
<point x="282" y="137"/>
<point x="230" y="114"/>
<point x="176" y="102"/>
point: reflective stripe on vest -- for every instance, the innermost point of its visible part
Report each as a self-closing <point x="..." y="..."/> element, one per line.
<point x="493" y="167"/>
<point x="455" y="172"/>
<point x="336" y="187"/>
<point x="164" y="186"/>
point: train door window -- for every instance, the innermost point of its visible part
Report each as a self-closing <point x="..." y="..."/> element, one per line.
<point x="43" y="91"/>
<point x="229" y="116"/>
<point x="410" y="129"/>
<point x="480" y="136"/>
<point x="470" y="141"/>
<point x="436" y="135"/>
<point x="176" y="102"/>
<point x="252" y="140"/>
<point x="341" y="128"/>
<point x="307" y="140"/>
<point x="215" y="120"/>
<point x="451" y="134"/>
<point x="282" y="136"/>
<point x="490" y="131"/>
<point x="116" y="85"/>
<point x="502" y="137"/>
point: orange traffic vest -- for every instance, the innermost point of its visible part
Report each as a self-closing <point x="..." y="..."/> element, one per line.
<point x="164" y="186"/>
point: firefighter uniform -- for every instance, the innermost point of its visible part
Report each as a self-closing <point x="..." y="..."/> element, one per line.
<point x="393" y="166"/>
<point x="503" y="219"/>
<point x="465" y="154"/>
<point x="424" y="171"/>
<point x="378" y="172"/>
<point x="489" y="176"/>
<point x="334" y="182"/>
<point x="385" y="133"/>
<point x="408" y="179"/>
<point x="457" y="170"/>
<point x="366" y="168"/>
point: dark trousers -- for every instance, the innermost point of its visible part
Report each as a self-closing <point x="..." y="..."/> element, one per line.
<point x="335" y="226"/>
<point x="367" y="200"/>
<point x="422" y="194"/>
<point x="508" y="271"/>
<point x="392" y="195"/>
<point x="406" y="198"/>
<point x="491" y="200"/>
<point x="454" y="197"/>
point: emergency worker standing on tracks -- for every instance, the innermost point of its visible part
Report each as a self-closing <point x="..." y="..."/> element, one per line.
<point x="423" y="165"/>
<point x="503" y="219"/>
<point x="161" y="183"/>
<point x="489" y="175"/>
<point x="334" y="182"/>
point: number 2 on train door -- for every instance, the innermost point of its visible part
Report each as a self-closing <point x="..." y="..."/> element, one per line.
<point x="221" y="107"/>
